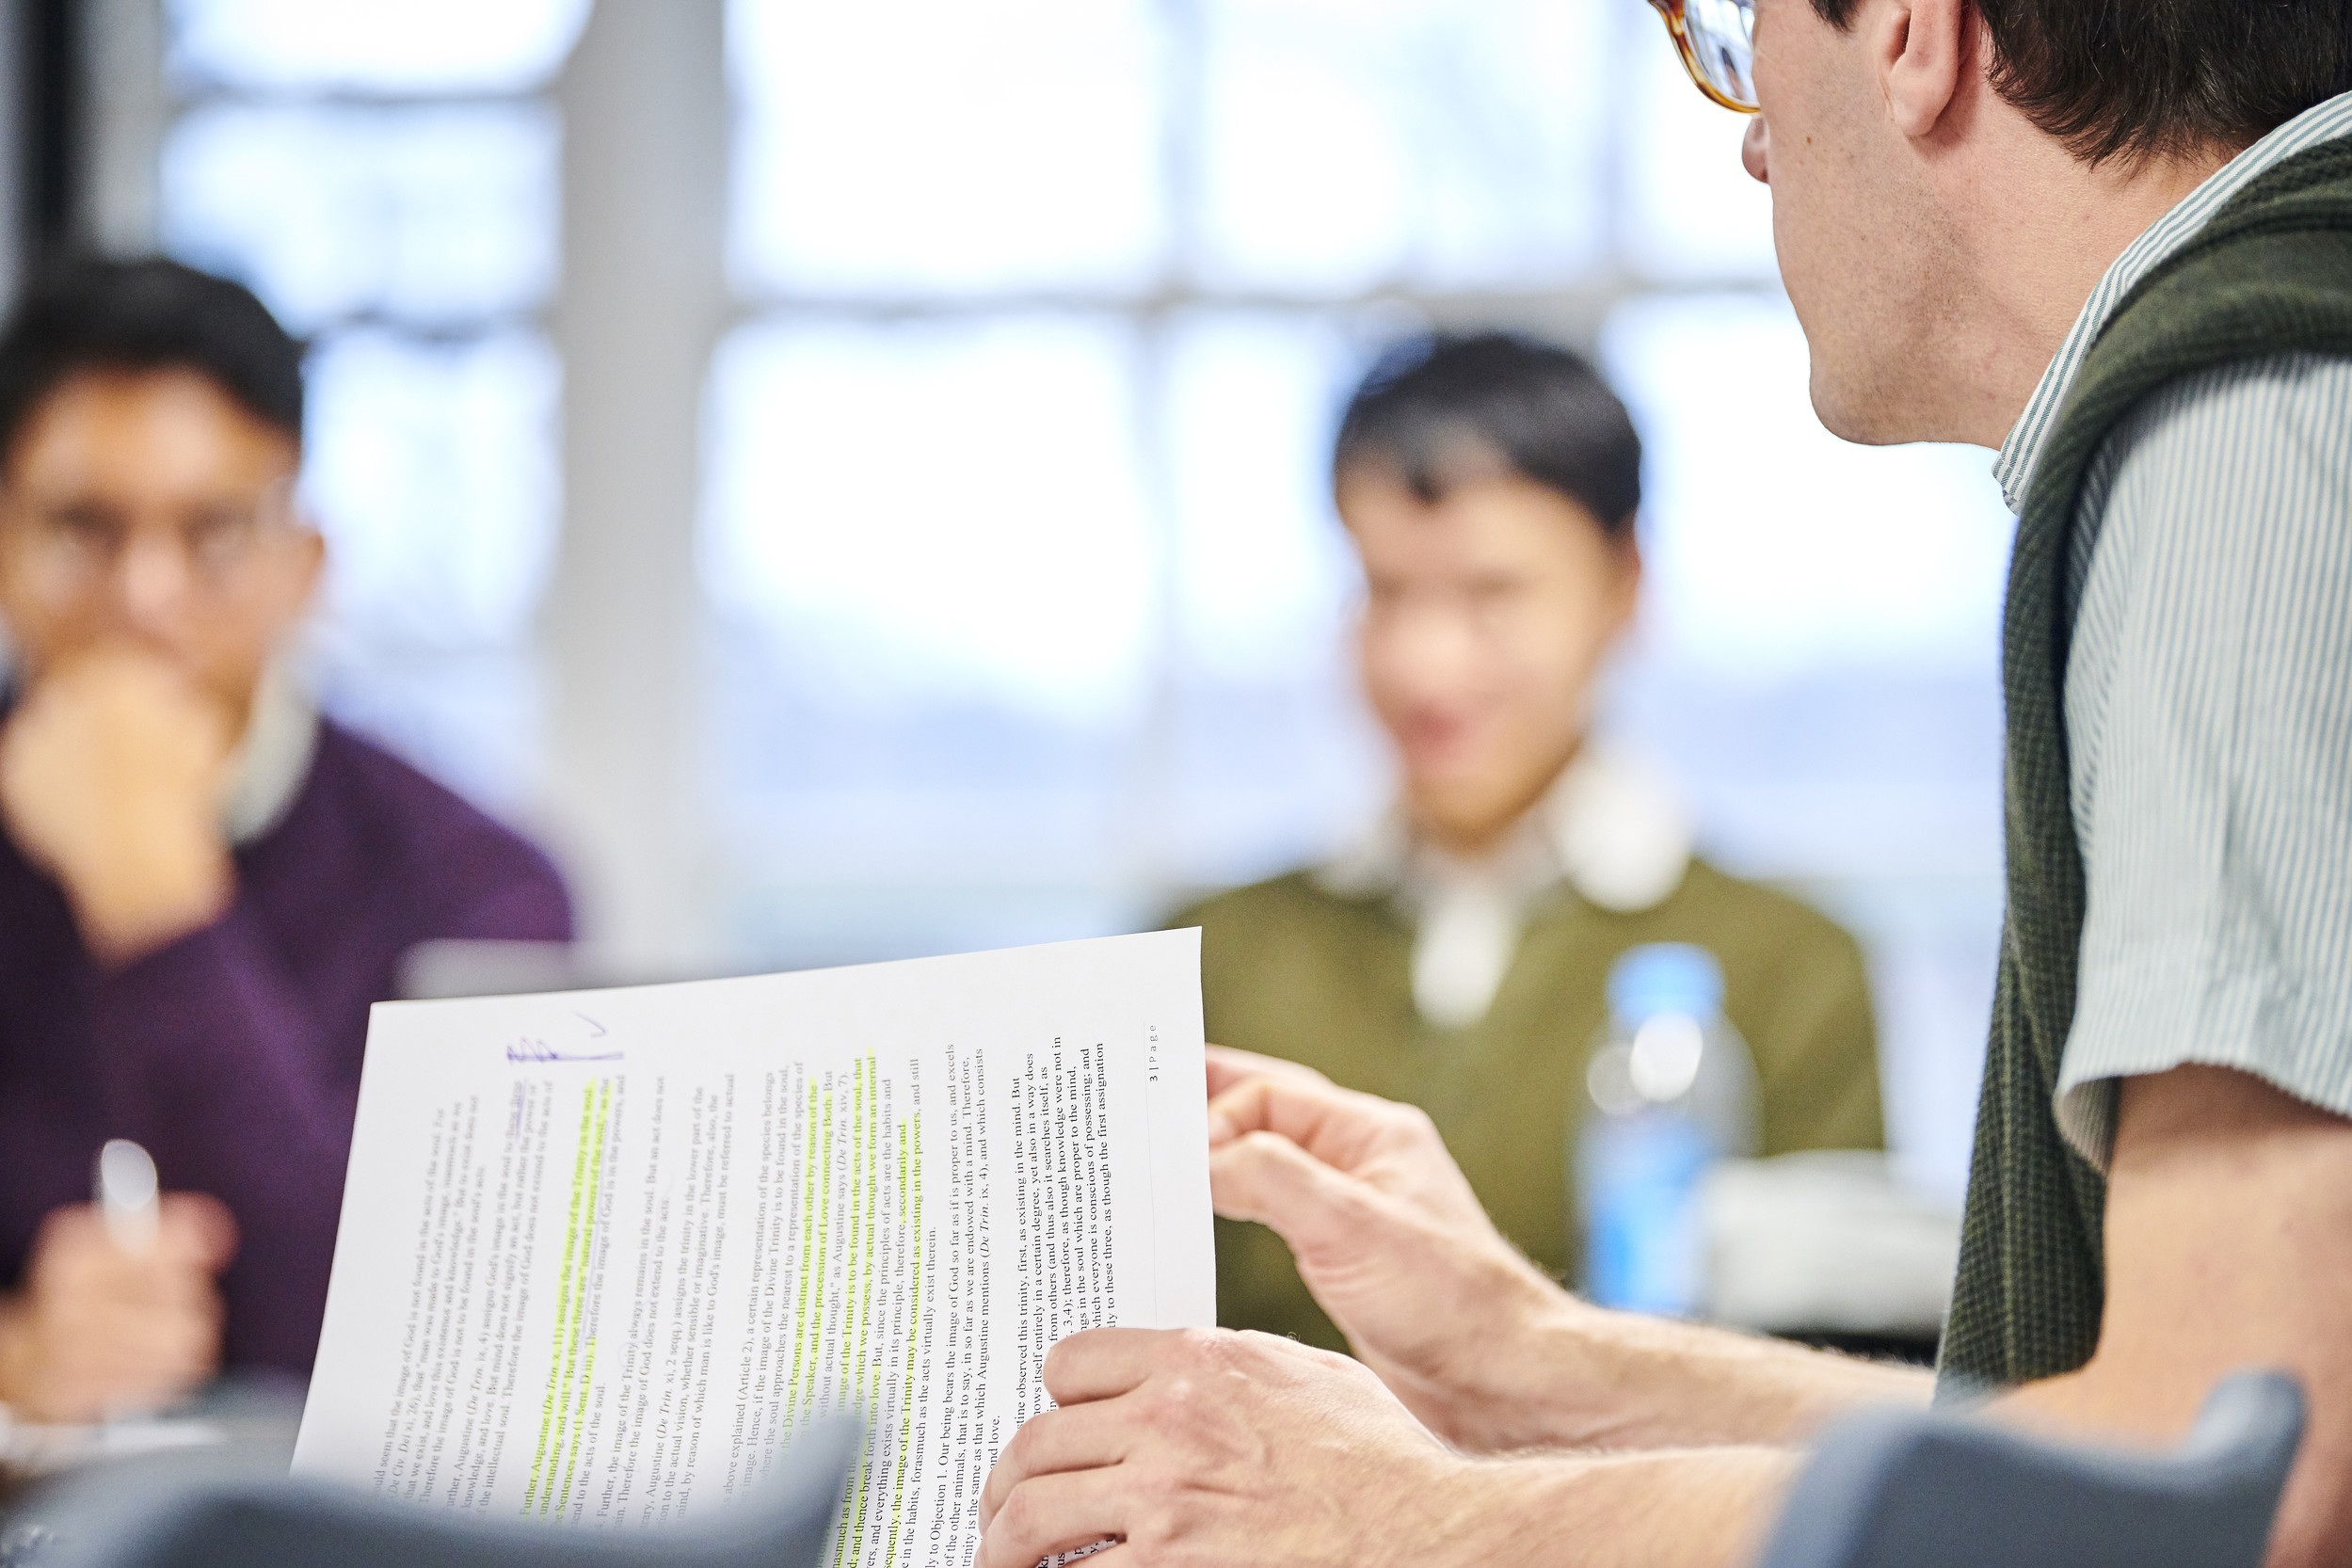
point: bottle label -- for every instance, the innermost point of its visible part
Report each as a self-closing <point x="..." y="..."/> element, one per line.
<point x="1639" y="1175"/>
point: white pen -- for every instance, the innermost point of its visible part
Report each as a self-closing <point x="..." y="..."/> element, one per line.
<point x="126" y="1194"/>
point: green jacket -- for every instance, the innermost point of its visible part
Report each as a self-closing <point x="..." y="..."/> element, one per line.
<point x="1292" y="968"/>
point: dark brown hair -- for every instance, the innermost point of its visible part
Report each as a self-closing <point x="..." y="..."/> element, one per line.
<point x="85" y="314"/>
<point x="1538" y="408"/>
<point x="2134" y="79"/>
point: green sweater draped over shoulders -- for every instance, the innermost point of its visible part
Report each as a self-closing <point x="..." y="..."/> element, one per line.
<point x="2271" y="273"/>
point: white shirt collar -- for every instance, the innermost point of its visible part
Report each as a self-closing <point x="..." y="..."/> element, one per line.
<point x="1609" y="827"/>
<point x="272" y="760"/>
<point x="2323" y="121"/>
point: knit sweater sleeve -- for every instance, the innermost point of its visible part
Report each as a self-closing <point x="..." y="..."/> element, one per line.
<point x="211" y="1059"/>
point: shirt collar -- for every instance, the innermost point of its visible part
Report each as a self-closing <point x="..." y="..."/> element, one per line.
<point x="2323" y="121"/>
<point x="272" y="760"/>
<point x="1609" y="826"/>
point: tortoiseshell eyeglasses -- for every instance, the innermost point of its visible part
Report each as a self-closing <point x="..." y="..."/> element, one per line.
<point x="1716" y="42"/>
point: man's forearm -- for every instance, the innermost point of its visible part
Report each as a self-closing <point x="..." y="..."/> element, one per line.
<point x="1481" y="1345"/>
<point x="1578" y="1376"/>
<point x="1703" y="1508"/>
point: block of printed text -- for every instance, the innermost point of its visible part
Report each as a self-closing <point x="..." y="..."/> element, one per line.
<point x="602" y="1253"/>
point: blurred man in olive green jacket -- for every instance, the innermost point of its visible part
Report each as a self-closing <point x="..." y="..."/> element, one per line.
<point x="1456" y="957"/>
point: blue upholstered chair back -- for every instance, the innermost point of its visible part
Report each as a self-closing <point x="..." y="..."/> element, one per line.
<point x="1918" y="1490"/>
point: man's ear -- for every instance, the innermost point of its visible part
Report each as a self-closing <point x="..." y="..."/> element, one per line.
<point x="1920" y="48"/>
<point x="306" y="564"/>
<point x="1626" y="595"/>
<point x="12" y="602"/>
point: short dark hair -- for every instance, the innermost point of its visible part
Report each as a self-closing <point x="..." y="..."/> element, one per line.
<point x="1434" y="401"/>
<point x="2134" y="79"/>
<point x="88" y="314"/>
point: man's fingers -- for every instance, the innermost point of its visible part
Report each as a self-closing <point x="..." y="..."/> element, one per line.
<point x="78" y="1257"/>
<point x="1076" y="1437"/>
<point x="131" y="1358"/>
<point x="1102" y="1362"/>
<point x="1255" y="1103"/>
<point x="192" y="1230"/>
<point x="1228" y="1066"/>
<point x="1060" y="1513"/>
<point x="69" y="1226"/>
<point x="1339" y="1126"/>
<point x="1266" y="1177"/>
<point x="91" y="1352"/>
<point x="197" y="1228"/>
<point x="1230" y="1069"/>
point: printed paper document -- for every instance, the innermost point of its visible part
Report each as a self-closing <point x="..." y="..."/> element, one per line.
<point x="602" y="1252"/>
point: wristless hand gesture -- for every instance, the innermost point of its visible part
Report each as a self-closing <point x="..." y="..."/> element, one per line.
<point x="1387" y="1234"/>
<point x="111" y="774"/>
<point x="103" y="1329"/>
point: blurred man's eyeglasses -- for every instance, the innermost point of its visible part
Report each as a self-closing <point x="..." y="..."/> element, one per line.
<point x="1716" y="42"/>
<point x="74" y="547"/>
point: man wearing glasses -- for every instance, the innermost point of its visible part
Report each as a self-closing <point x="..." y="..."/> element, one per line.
<point x="2114" y="242"/>
<point x="203" y="885"/>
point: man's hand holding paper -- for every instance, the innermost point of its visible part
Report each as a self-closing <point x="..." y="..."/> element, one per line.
<point x="1215" y="1447"/>
<point x="1202" y="1445"/>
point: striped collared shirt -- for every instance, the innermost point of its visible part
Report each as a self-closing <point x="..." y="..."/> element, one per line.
<point x="2323" y="121"/>
<point x="2209" y="703"/>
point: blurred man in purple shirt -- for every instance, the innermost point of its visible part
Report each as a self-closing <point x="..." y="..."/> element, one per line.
<point x="203" y="885"/>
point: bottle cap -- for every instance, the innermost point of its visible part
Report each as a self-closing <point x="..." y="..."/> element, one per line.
<point x="1664" y="977"/>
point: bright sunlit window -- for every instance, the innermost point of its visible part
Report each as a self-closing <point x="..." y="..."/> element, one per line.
<point x="386" y="178"/>
<point x="1052" y="302"/>
<point x="1774" y="548"/>
<point x="1018" y="533"/>
<point x="1026" y="611"/>
<point x="949" y="509"/>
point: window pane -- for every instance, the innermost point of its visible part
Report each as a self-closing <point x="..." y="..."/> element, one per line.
<point x="1263" y="573"/>
<point x="1268" y="755"/>
<point x="1817" y="666"/>
<point x="469" y="717"/>
<point x="414" y="47"/>
<point x="1773" y="545"/>
<point x="930" y="511"/>
<point x="1443" y="143"/>
<point x="433" y="215"/>
<point x="1691" y="210"/>
<point x="919" y="145"/>
<point x="432" y="470"/>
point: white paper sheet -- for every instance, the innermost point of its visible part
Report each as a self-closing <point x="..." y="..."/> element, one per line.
<point x="603" y="1251"/>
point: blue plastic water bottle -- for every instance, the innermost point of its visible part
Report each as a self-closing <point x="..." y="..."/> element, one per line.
<point x="1670" y="1089"/>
